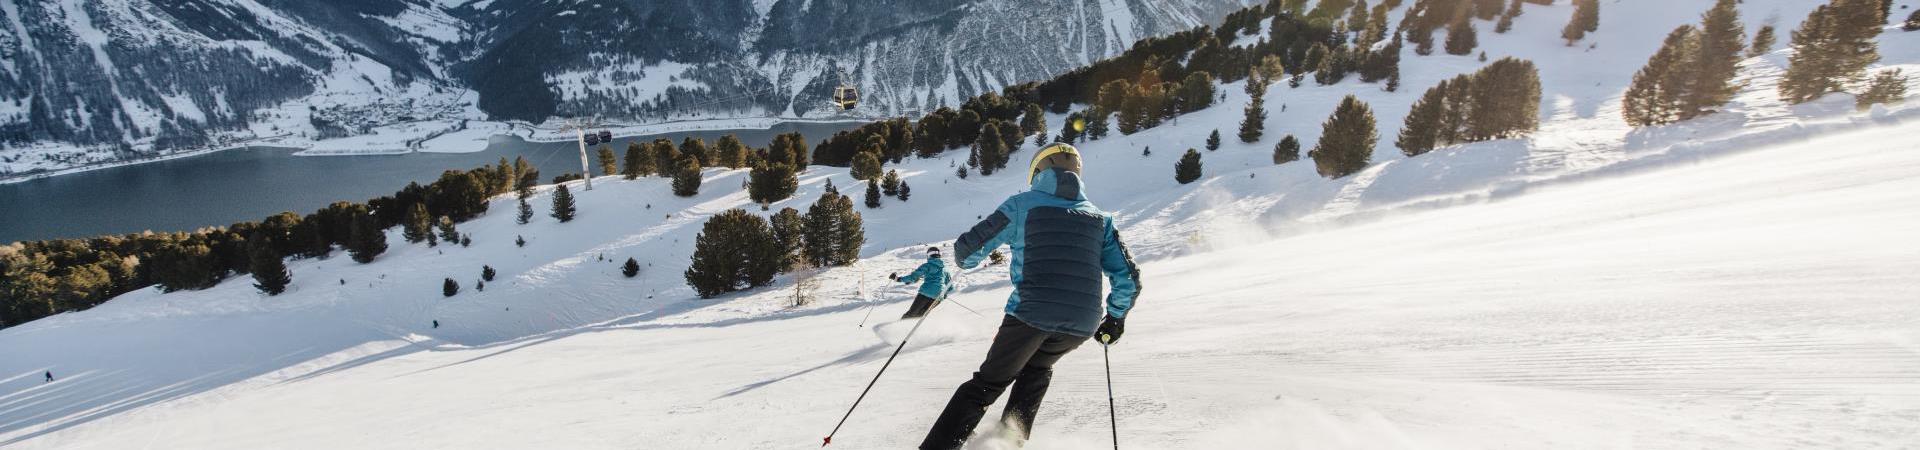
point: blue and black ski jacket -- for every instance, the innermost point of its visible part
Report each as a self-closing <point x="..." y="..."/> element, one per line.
<point x="1062" y="245"/>
<point x="935" y="271"/>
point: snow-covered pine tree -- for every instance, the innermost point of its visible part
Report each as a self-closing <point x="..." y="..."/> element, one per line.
<point x="1346" y="140"/>
<point x="1213" y="140"/>
<point x="873" y="194"/>
<point x="1188" y="168"/>
<point x="1288" y="150"/>
<point x="526" y="212"/>
<point x="269" y="272"/>
<point x="562" y="204"/>
<point x="686" y="176"/>
<point x="905" y="190"/>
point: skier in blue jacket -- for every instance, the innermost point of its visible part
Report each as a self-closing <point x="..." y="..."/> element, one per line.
<point x="935" y="287"/>
<point x="1062" y="246"/>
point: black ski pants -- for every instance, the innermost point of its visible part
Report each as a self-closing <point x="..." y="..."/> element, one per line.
<point x="1021" y="356"/>
<point x="921" y="303"/>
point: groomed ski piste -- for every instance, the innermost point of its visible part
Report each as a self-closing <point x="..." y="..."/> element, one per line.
<point x="1745" y="280"/>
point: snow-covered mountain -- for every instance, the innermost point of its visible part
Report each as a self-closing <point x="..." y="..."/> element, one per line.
<point x="90" y="81"/>
<point x="1741" y="280"/>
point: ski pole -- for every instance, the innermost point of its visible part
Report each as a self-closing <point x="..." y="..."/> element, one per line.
<point x="870" y="308"/>
<point x="1113" y="419"/>
<point x="876" y="379"/>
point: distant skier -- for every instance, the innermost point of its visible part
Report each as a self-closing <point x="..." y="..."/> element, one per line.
<point x="933" y="290"/>
<point x="1062" y="244"/>
<point x="49" y="376"/>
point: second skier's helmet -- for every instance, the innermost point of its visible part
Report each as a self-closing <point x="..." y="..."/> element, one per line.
<point x="1058" y="155"/>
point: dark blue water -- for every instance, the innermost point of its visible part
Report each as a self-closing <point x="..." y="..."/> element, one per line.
<point x="238" y="185"/>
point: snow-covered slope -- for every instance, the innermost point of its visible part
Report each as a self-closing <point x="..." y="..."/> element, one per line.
<point x="1742" y="281"/>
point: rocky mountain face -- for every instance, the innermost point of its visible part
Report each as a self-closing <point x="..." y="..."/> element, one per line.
<point x="84" y="81"/>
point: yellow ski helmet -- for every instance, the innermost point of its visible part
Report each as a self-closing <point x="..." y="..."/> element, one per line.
<point x="1058" y="155"/>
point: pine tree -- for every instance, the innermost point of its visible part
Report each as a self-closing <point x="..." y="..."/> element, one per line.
<point x="1188" y="168"/>
<point x="961" y="172"/>
<point x="1461" y="37"/>
<point x="1506" y="100"/>
<point x="992" y="150"/>
<point x="771" y="182"/>
<point x="890" y="184"/>
<point x="526" y="212"/>
<point x="562" y="204"/>
<point x="1096" y="118"/>
<point x="1913" y="22"/>
<point x="631" y="268"/>
<point x="1357" y="16"/>
<point x="447" y="230"/>
<point x="486" y="273"/>
<point x="367" y="240"/>
<point x="1213" y="140"/>
<point x="1422" y="128"/>
<point x="735" y="250"/>
<point x="1655" y="94"/>
<point x="1715" y="62"/>
<point x="697" y="149"/>
<point x="1831" y="50"/>
<point x="873" y="194"/>
<point x="449" y="288"/>
<point x="418" y="225"/>
<point x="730" y="152"/>
<point x="686" y="176"/>
<point x="1888" y="86"/>
<point x="1288" y="150"/>
<point x="1346" y="140"/>
<point x="1586" y="18"/>
<point x="519" y="241"/>
<point x="1032" y="120"/>
<point x="1763" y="41"/>
<point x="433" y="240"/>
<point x="608" y="164"/>
<point x="1254" y="122"/>
<point x="270" y="274"/>
<point x="789" y="234"/>
<point x="636" y="161"/>
<point x="905" y="191"/>
<point x="833" y="231"/>
<point x="1146" y="151"/>
<point x="1196" y="91"/>
<point x="866" y="165"/>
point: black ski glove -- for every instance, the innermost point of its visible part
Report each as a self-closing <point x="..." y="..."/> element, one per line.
<point x="1110" y="330"/>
